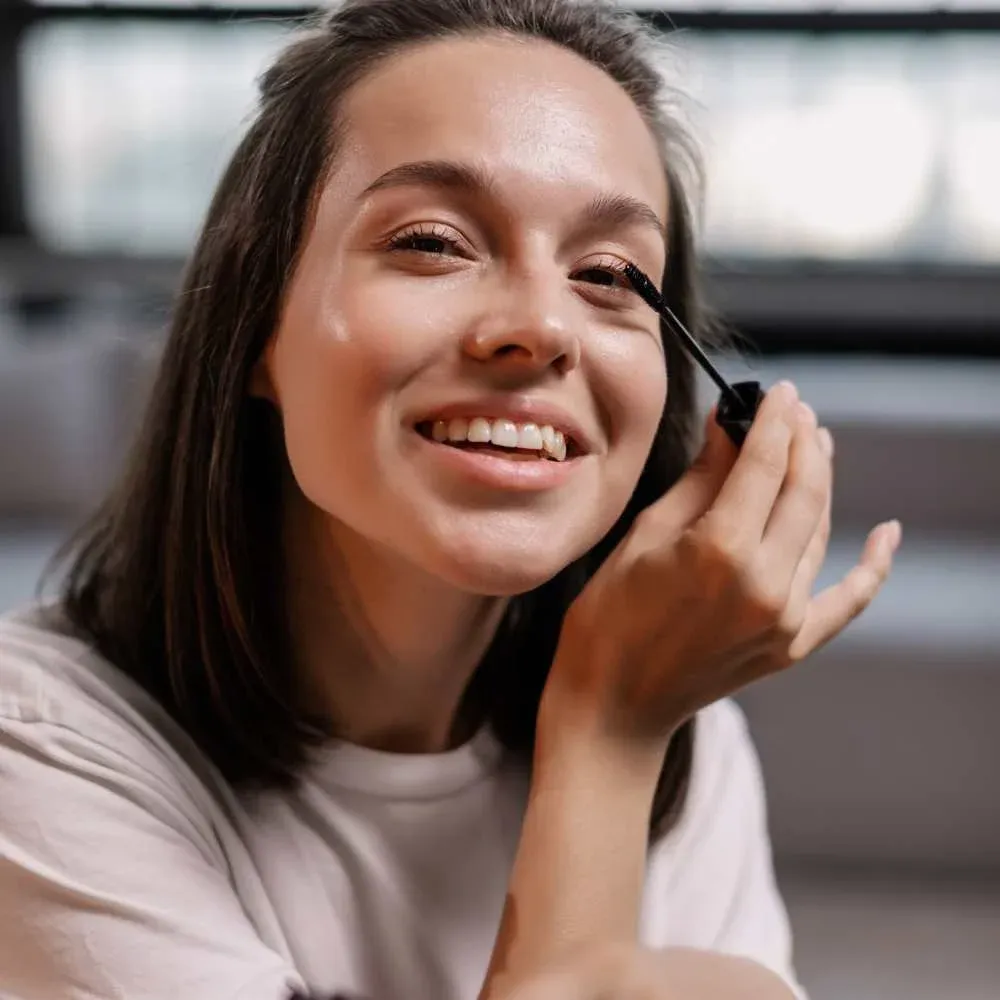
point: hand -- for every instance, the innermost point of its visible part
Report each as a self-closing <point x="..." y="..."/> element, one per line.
<point x="630" y="972"/>
<point x="712" y="588"/>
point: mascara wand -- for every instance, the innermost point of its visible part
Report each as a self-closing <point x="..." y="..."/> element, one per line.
<point x="738" y="403"/>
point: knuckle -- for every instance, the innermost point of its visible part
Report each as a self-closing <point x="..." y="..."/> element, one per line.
<point x="769" y="455"/>
<point x="645" y="568"/>
<point x="712" y="545"/>
<point x="825" y="525"/>
<point x="819" y="544"/>
<point x="790" y="623"/>
<point x="862" y="593"/>
<point x="766" y="602"/>
<point x="815" y="491"/>
<point x="868" y="589"/>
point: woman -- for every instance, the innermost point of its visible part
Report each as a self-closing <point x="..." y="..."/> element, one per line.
<point x="398" y="662"/>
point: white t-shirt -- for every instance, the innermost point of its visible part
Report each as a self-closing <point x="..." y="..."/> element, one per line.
<point x="129" y="870"/>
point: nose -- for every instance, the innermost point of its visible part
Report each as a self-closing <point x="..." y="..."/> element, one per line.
<point x="529" y="328"/>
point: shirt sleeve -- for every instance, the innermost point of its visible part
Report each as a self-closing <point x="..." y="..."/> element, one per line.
<point x="109" y="887"/>
<point x="711" y="881"/>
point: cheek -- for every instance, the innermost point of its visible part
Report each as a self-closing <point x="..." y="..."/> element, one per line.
<point x="331" y="366"/>
<point x="633" y="377"/>
<point x="343" y="352"/>
<point x="631" y="383"/>
<point x="343" y="348"/>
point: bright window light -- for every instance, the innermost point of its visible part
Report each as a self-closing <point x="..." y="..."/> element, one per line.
<point x="974" y="179"/>
<point x="826" y="147"/>
<point x="128" y="127"/>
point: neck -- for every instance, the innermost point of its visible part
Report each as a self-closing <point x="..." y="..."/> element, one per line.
<point x="387" y="649"/>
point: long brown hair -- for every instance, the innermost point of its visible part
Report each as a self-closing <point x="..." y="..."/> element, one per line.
<point x="173" y="579"/>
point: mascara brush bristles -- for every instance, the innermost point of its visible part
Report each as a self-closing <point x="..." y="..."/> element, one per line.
<point x="648" y="293"/>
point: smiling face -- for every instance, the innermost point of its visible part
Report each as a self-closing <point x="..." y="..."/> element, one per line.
<point x="459" y="296"/>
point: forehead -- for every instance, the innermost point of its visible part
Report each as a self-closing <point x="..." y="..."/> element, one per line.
<point x="538" y="116"/>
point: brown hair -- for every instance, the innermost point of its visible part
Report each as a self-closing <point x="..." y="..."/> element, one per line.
<point x="173" y="579"/>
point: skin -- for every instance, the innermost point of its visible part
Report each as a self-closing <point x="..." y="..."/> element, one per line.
<point x="418" y="562"/>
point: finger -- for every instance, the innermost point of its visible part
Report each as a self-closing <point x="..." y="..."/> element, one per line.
<point x="815" y="554"/>
<point x="837" y="606"/>
<point x="800" y="505"/>
<point x="748" y="495"/>
<point x="692" y="494"/>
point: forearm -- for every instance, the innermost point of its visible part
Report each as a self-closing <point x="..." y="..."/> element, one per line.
<point x="579" y="871"/>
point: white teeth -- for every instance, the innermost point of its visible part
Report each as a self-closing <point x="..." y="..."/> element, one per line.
<point x="502" y="433"/>
<point x="529" y="437"/>
<point x="480" y="431"/>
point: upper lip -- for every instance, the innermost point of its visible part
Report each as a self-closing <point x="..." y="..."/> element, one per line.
<point x="519" y="410"/>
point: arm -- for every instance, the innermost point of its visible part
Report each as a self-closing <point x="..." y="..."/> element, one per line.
<point x="570" y="925"/>
<point x="710" y="591"/>
<point x="578" y="874"/>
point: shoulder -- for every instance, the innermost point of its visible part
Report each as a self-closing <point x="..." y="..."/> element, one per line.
<point x="725" y="804"/>
<point x="121" y="874"/>
<point x="49" y="676"/>
<point x="63" y="704"/>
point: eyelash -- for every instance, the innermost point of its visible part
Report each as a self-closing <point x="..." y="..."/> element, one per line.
<point x="407" y="240"/>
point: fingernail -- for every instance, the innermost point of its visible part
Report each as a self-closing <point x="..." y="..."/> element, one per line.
<point x="788" y="390"/>
<point x="807" y="415"/>
<point x="826" y="442"/>
<point x="895" y="532"/>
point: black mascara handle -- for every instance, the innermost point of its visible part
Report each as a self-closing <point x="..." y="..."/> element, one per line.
<point x="736" y="418"/>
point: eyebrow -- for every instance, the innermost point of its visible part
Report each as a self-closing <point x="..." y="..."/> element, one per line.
<point x="602" y="211"/>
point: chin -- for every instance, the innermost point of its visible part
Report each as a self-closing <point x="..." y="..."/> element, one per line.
<point x="496" y="581"/>
<point x="478" y="565"/>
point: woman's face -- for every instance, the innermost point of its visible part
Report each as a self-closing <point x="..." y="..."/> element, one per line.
<point x="461" y="279"/>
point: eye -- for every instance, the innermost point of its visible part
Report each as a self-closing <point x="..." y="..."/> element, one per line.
<point x="608" y="272"/>
<point x="424" y="239"/>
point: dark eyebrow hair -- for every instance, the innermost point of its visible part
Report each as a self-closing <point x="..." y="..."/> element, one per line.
<point x="622" y="210"/>
<point x="435" y="173"/>
<point x="604" y="210"/>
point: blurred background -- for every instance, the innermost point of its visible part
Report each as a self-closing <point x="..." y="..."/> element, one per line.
<point x="852" y="236"/>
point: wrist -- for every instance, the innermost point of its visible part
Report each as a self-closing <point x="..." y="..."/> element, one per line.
<point x="574" y="735"/>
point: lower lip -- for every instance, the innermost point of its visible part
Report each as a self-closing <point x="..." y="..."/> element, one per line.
<point x="495" y="471"/>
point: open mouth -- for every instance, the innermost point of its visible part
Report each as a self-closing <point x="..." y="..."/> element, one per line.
<point x="523" y="442"/>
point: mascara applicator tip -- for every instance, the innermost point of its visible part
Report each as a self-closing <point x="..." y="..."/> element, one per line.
<point x="738" y="404"/>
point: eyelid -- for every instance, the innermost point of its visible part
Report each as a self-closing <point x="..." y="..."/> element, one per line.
<point x="610" y="263"/>
<point x="439" y="230"/>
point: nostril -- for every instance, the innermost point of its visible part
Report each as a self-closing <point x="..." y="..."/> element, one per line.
<point x="508" y="349"/>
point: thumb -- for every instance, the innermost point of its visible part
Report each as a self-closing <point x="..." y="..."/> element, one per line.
<point x="696" y="490"/>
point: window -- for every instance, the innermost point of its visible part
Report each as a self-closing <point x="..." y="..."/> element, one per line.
<point x="833" y="147"/>
<point x="849" y="147"/>
<point x="127" y="126"/>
